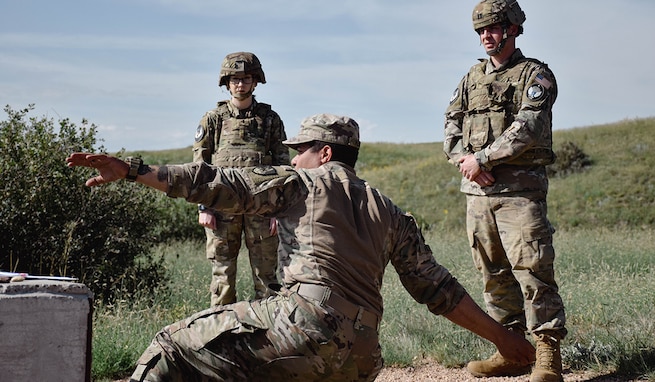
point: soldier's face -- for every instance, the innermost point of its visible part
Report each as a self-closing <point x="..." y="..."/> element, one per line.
<point x="242" y="85"/>
<point x="491" y="36"/>
<point x="308" y="156"/>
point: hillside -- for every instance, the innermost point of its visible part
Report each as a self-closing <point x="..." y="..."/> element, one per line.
<point x="615" y="190"/>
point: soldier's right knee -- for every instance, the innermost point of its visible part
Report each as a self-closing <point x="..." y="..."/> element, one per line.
<point x="148" y="368"/>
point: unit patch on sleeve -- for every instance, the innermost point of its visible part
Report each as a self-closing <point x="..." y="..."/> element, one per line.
<point x="536" y="92"/>
<point x="200" y="133"/>
<point x="454" y="96"/>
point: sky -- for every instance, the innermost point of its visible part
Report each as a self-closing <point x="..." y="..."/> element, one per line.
<point x="145" y="71"/>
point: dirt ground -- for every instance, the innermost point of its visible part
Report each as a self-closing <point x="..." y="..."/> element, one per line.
<point x="432" y="371"/>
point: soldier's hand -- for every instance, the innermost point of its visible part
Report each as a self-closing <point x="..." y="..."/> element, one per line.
<point x="517" y="349"/>
<point x="110" y="168"/>
<point x="207" y="219"/>
<point x="469" y="167"/>
<point x="485" y="179"/>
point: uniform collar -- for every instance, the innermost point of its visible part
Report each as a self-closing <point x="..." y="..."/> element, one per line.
<point x="244" y="113"/>
<point x="514" y="58"/>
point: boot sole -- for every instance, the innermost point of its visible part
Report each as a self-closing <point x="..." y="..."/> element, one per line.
<point x="517" y="373"/>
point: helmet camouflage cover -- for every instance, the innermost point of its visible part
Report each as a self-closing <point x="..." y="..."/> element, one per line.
<point x="241" y="63"/>
<point x="489" y="12"/>
<point x="327" y="128"/>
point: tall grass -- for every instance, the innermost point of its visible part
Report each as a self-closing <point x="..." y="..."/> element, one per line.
<point x="122" y="331"/>
<point x="606" y="279"/>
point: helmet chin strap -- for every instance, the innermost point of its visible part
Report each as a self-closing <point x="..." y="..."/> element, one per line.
<point x="501" y="44"/>
<point x="243" y="96"/>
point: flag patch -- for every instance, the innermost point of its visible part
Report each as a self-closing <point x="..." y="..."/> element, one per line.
<point x="543" y="81"/>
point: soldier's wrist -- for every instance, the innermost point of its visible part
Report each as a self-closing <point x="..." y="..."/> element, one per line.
<point x="483" y="160"/>
<point x="136" y="168"/>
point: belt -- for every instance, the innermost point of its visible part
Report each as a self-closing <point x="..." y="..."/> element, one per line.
<point x="326" y="298"/>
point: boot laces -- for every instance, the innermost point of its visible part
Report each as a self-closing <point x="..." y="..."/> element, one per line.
<point x="546" y="352"/>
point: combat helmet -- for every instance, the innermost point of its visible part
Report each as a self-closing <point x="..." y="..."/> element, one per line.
<point x="241" y="63"/>
<point x="505" y="12"/>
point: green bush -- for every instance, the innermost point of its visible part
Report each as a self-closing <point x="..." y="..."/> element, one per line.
<point x="52" y="224"/>
<point x="570" y="159"/>
<point x="179" y="218"/>
<point x="178" y="222"/>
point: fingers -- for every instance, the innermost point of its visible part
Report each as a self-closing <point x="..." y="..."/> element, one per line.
<point x="96" y="160"/>
<point x="95" y="181"/>
<point x="75" y="159"/>
<point x="86" y="160"/>
<point x="485" y="179"/>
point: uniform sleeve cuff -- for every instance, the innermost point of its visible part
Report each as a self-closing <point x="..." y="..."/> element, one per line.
<point x="483" y="160"/>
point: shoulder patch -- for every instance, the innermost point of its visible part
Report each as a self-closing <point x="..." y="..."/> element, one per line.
<point x="264" y="170"/>
<point x="543" y="81"/>
<point x="454" y="96"/>
<point x="535" y="92"/>
<point x="261" y="175"/>
<point x="200" y="133"/>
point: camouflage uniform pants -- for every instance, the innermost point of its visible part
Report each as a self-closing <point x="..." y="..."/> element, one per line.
<point x="222" y="248"/>
<point x="512" y="245"/>
<point x="282" y="338"/>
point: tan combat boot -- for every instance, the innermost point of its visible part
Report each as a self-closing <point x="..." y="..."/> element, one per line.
<point x="548" y="367"/>
<point x="497" y="366"/>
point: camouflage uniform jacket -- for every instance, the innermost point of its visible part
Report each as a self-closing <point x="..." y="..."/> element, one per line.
<point x="503" y="115"/>
<point x="335" y="230"/>
<point x="229" y="137"/>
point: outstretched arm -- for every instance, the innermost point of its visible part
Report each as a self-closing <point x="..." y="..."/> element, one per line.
<point x="112" y="169"/>
<point x="468" y="315"/>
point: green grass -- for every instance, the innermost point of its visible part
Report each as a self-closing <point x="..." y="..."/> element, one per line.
<point x="606" y="279"/>
<point x="122" y="331"/>
<point x="605" y="218"/>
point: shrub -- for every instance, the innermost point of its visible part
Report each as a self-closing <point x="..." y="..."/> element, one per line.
<point x="178" y="222"/>
<point x="51" y="224"/>
<point x="570" y="159"/>
<point x="179" y="218"/>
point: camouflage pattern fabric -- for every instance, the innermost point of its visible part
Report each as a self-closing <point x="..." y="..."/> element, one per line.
<point x="503" y="116"/>
<point x="335" y="231"/>
<point x="489" y="12"/>
<point x="227" y="136"/>
<point x="241" y="63"/>
<point x="340" y="130"/>
<point x="222" y="249"/>
<point x="513" y="248"/>
<point x="282" y="338"/>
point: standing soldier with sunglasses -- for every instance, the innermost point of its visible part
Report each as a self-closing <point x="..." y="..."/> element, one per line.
<point x="240" y="132"/>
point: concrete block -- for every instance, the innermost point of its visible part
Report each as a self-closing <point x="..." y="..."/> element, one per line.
<point x="45" y="331"/>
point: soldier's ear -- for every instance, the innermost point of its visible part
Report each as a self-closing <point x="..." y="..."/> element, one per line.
<point x="325" y="154"/>
<point x="513" y="30"/>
